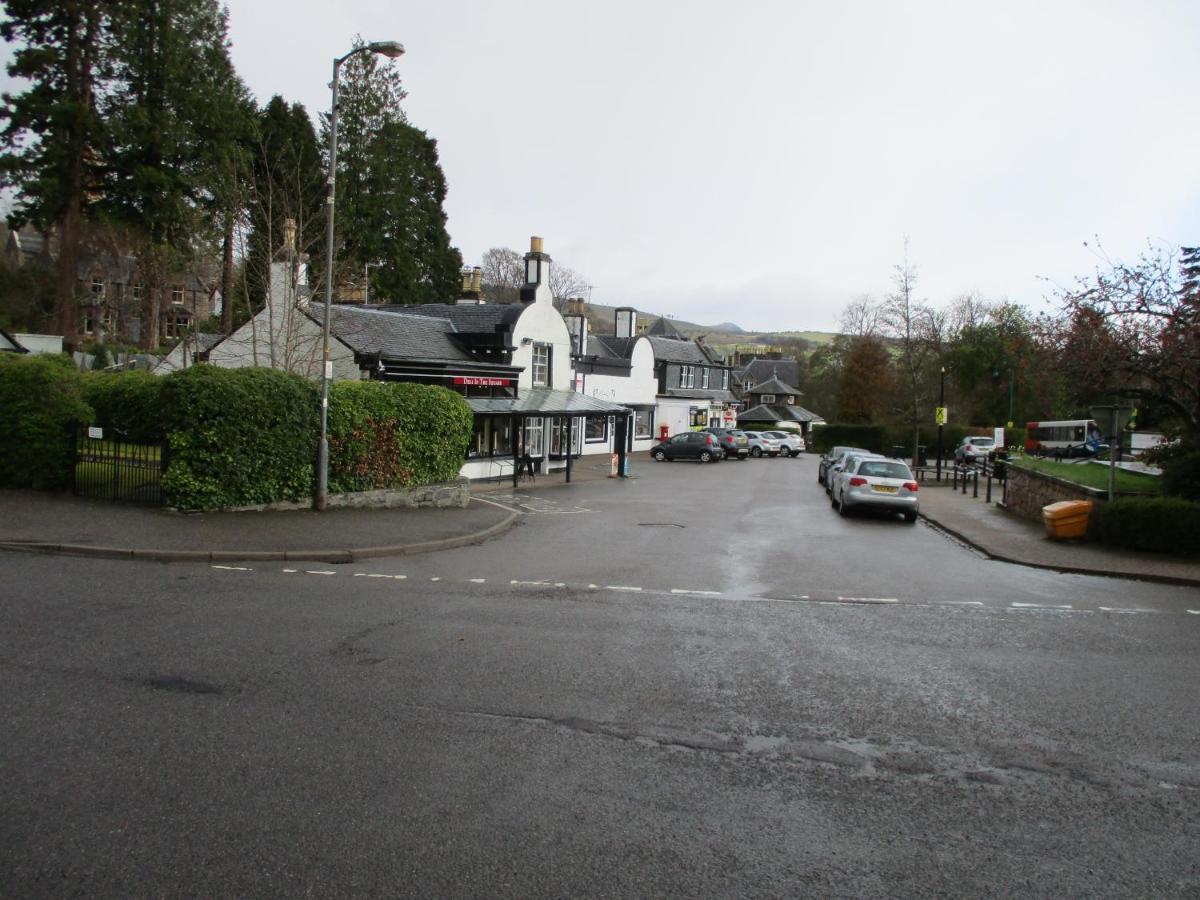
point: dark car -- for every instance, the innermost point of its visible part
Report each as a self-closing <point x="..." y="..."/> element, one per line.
<point x="688" y="445"/>
<point x="734" y="443"/>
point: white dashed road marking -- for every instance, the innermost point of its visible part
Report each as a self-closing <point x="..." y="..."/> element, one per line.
<point x="1126" y="610"/>
<point x="867" y="600"/>
<point x="234" y="568"/>
<point x="1194" y="612"/>
<point x="319" y="572"/>
<point x="696" y="593"/>
<point x="1040" y="606"/>
<point x="619" y="587"/>
<point x="959" y="603"/>
<point x="477" y="580"/>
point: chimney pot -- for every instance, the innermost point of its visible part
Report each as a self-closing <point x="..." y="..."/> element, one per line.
<point x="535" y="245"/>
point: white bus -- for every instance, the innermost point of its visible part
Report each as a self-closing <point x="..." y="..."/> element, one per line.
<point x="1069" y="437"/>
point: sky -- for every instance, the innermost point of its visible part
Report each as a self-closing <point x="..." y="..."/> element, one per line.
<point x="765" y="162"/>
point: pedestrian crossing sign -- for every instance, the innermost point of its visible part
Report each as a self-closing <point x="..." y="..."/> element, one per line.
<point x="940" y="415"/>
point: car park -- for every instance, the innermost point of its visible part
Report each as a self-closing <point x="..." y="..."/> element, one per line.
<point x="761" y="444"/>
<point x="973" y="448"/>
<point x="733" y="441"/>
<point x="790" y="443"/>
<point x="876" y="482"/>
<point x="699" y="445"/>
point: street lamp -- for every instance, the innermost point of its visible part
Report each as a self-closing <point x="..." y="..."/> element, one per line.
<point x="941" y="422"/>
<point x="392" y="50"/>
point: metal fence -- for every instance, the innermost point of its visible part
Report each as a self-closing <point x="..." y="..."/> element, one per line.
<point x="107" y="467"/>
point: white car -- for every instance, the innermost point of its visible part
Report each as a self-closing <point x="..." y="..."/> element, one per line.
<point x="790" y="443"/>
<point x="878" y="482"/>
<point x="762" y="444"/>
<point x="972" y="449"/>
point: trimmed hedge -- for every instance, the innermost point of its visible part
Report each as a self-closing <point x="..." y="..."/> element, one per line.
<point x="389" y="434"/>
<point x="1160" y="524"/>
<point x="129" y="403"/>
<point x="238" y="437"/>
<point x="881" y="438"/>
<point x="43" y="404"/>
<point x="869" y="437"/>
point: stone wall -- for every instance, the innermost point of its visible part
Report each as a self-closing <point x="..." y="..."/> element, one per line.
<point x="1029" y="491"/>
<point x="445" y="494"/>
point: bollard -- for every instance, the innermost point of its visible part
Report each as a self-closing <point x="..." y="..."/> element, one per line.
<point x="975" y="490"/>
<point x="988" y="497"/>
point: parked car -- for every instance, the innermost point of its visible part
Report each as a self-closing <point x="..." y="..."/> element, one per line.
<point x="688" y="445"/>
<point x="790" y="443"/>
<point x="734" y="443"/>
<point x="879" y="483"/>
<point x="761" y="444"/>
<point x="833" y="464"/>
<point x="973" y="448"/>
<point x="825" y="461"/>
<point x="839" y="469"/>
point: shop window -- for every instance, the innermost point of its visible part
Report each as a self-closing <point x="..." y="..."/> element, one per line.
<point x="596" y="429"/>
<point x="533" y="437"/>
<point x="643" y="423"/>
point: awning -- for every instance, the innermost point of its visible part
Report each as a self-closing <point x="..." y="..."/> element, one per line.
<point x="545" y="402"/>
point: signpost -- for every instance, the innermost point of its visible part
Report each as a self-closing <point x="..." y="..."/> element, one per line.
<point x="1111" y="417"/>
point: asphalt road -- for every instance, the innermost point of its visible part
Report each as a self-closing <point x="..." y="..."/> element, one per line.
<point x="700" y="682"/>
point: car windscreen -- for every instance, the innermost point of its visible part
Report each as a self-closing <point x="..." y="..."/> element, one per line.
<point x="884" y="469"/>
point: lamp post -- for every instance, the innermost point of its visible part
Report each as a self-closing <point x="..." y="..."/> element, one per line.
<point x="392" y="50"/>
<point x="941" y="422"/>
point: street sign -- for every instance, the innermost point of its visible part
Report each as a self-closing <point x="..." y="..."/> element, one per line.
<point x="940" y="415"/>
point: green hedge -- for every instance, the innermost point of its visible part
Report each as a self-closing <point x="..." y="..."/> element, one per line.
<point x="388" y="434"/>
<point x="1161" y="524"/>
<point x="43" y="406"/>
<point x="881" y="438"/>
<point x="128" y="403"/>
<point x="238" y="437"/>
<point x="869" y="437"/>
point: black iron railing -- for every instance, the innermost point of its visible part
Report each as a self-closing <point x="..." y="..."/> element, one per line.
<point x="108" y="467"/>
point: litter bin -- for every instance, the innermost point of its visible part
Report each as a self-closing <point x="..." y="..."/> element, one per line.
<point x="1067" y="519"/>
<point x="897" y="451"/>
<point x="921" y="459"/>
<point x="999" y="466"/>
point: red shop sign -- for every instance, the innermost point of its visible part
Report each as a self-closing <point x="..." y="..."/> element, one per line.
<point x="477" y="381"/>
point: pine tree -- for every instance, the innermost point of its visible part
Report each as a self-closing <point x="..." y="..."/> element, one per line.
<point x="52" y="131"/>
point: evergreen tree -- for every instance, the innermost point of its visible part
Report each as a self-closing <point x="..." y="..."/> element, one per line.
<point x="52" y="131"/>
<point x="390" y="192"/>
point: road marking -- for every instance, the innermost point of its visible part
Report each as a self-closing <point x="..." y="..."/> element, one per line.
<point x="1194" y="612"/>
<point x="234" y="568"/>
<point x="319" y="572"/>
<point x="477" y="580"/>
<point x="436" y="578"/>
<point x="620" y="587"/>
<point x="867" y="600"/>
<point x="1127" y="610"/>
<point x="696" y="593"/>
<point x="593" y="587"/>
<point x="959" y="603"/>
<point x="538" y="583"/>
<point x="378" y="575"/>
<point x="1041" y="606"/>
<point x="291" y="571"/>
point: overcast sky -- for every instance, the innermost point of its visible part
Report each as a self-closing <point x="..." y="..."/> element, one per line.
<point x="762" y="162"/>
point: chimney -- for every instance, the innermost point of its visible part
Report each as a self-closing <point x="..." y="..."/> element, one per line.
<point x="472" y="287"/>
<point x="537" y="270"/>
<point x="577" y="324"/>
<point x="626" y="322"/>
<point x="289" y="236"/>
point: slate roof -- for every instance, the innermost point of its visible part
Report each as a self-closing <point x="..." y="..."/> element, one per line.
<point x="393" y="335"/>
<point x="472" y="318"/>
<point x="545" y="401"/>
<point x="676" y="351"/>
<point x="663" y="328"/>
<point x="718" y="394"/>
<point x="773" y="386"/>
<point x="757" y="370"/>
<point x="778" y="413"/>
<point x="607" y="346"/>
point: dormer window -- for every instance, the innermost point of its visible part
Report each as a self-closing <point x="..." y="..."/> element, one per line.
<point x="767" y="398"/>
<point x="791" y="401"/>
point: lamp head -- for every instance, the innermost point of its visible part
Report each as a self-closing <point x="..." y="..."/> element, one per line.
<point x="390" y="49"/>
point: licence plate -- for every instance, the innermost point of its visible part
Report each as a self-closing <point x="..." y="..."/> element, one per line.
<point x="884" y="489"/>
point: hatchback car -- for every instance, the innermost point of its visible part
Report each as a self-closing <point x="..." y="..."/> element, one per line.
<point x="790" y="443"/>
<point x="972" y="449"/>
<point x="688" y="445"/>
<point x="761" y="444"/>
<point x="879" y="483"/>
<point x="734" y="443"/>
<point x="833" y="464"/>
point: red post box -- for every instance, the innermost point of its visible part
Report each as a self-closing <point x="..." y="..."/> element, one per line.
<point x="663" y="432"/>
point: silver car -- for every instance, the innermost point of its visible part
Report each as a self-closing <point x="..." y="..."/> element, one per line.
<point x="833" y="464"/>
<point x="877" y="482"/>
<point x="790" y="443"/>
<point x="761" y="444"/>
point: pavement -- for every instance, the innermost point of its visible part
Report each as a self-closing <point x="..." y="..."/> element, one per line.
<point x="57" y="523"/>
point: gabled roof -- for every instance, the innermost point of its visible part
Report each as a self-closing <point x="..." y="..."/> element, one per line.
<point x="679" y="351"/>
<point x="393" y="335"/>
<point x="718" y="394"/>
<point x="607" y="346"/>
<point x="663" y="328"/>
<point x="773" y="386"/>
<point x="757" y="370"/>
<point x="10" y="343"/>
<point x="778" y="413"/>
<point x="473" y="318"/>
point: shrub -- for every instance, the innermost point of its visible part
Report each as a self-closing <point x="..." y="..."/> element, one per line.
<point x="869" y="437"/>
<point x="43" y="405"/>
<point x="1180" y="464"/>
<point x="129" y="403"/>
<point x="238" y="437"/>
<point x="388" y="434"/>
<point x="1161" y="524"/>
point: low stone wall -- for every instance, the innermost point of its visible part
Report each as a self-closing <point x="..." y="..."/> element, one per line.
<point x="1029" y="491"/>
<point x="442" y="495"/>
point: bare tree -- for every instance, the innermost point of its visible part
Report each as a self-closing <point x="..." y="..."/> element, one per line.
<point x="565" y="284"/>
<point x="861" y="317"/>
<point x="503" y="273"/>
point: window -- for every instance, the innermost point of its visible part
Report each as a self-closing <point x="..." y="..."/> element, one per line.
<point x="704" y="380"/>
<point x="687" y="376"/>
<point x="596" y="429"/>
<point x="97" y="288"/>
<point x="724" y="379"/>
<point x="137" y="292"/>
<point x="175" y="325"/>
<point x="791" y="400"/>
<point x="643" y="423"/>
<point x="177" y="295"/>
<point x="767" y="398"/>
<point x="541" y="365"/>
<point x="532" y="437"/>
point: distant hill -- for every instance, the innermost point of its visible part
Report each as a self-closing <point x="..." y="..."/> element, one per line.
<point x="730" y="327"/>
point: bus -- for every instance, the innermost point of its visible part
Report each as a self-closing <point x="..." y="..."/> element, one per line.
<point x="1070" y="437"/>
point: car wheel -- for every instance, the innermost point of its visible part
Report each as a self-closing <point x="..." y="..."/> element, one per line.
<point x="785" y="453"/>
<point x="659" y="455"/>
<point x="705" y="456"/>
<point x="833" y="502"/>
<point x="755" y="452"/>
<point x="843" y="509"/>
<point x="910" y="517"/>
